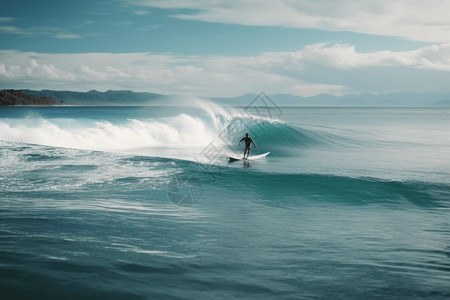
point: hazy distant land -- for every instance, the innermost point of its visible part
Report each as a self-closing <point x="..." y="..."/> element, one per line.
<point x="400" y="99"/>
<point x="119" y="97"/>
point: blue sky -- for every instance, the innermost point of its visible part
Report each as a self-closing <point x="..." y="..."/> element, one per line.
<point x="226" y="48"/>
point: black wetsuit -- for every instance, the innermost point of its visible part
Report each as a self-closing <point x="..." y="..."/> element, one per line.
<point x="248" y="141"/>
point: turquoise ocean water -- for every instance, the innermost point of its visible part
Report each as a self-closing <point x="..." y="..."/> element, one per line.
<point x="141" y="203"/>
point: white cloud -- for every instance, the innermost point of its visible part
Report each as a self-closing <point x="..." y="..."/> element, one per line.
<point x="42" y="30"/>
<point x="435" y="57"/>
<point x="345" y="57"/>
<point x="141" y="12"/>
<point x="6" y="19"/>
<point x="14" y="30"/>
<point x="411" y="19"/>
<point x="67" y="36"/>
<point x="315" y="69"/>
<point x="32" y="70"/>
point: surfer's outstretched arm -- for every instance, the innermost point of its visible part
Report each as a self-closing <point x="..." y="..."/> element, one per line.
<point x="256" y="147"/>
<point x="241" y="141"/>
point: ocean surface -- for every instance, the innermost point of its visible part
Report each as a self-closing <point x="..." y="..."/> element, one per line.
<point x="142" y="203"/>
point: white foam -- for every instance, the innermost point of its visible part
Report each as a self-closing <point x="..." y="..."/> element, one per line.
<point x="182" y="131"/>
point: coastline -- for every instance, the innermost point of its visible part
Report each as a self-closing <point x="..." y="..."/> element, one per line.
<point x="19" y="98"/>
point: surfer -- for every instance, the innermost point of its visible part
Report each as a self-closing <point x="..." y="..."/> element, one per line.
<point x="248" y="142"/>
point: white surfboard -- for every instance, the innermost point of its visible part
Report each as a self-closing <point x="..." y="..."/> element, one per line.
<point x="251" y="157"/>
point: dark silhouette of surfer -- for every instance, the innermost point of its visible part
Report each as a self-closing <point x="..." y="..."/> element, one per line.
<point x="248" y="142"/>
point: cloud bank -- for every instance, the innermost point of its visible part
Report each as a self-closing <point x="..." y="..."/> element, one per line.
<point x="320" y="68"/>
<point x="426" y="21"/>
<point x="58" y="33"/>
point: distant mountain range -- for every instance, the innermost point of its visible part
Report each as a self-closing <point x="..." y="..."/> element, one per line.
<point x="98" y="98"/>
<point x="400" y="99"/>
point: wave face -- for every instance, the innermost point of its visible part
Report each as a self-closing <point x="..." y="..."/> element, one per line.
<point x="300" y="189"/>
<point x="142" y="203"/>
<point x="178" y="135"/>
